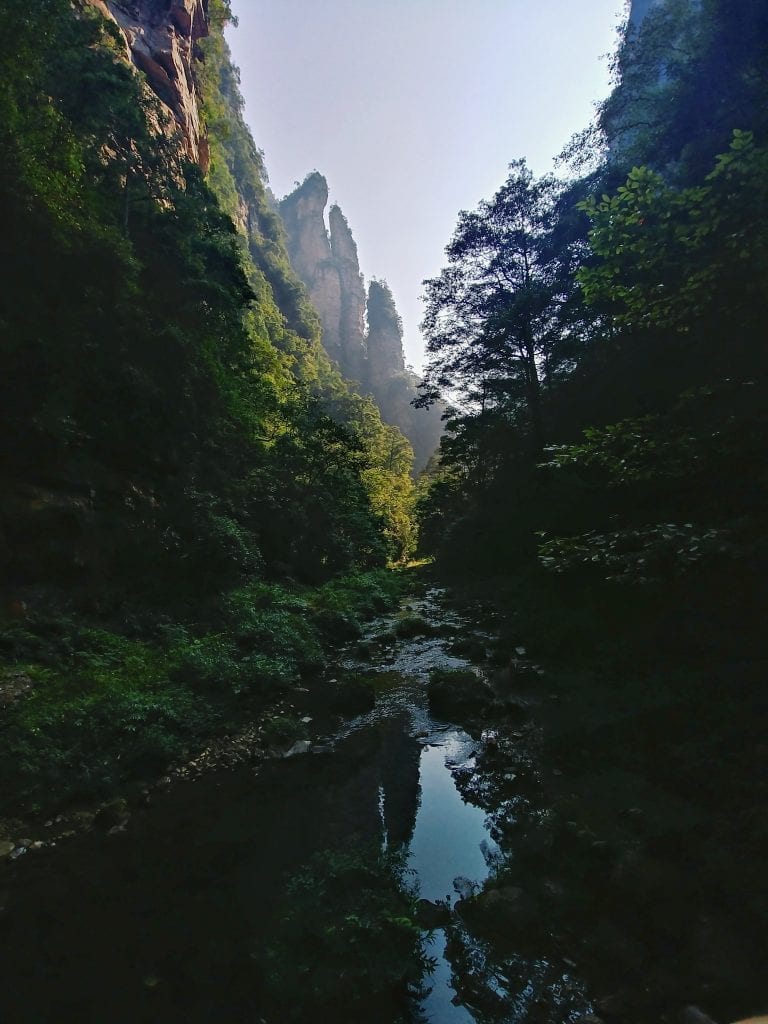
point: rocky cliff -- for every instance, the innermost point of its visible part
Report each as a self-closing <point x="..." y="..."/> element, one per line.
<point x="385" y="336"/>
<point x="352" y="285"/>
<point x="160" y="37"/>
<point x="326" y="260"/>
<point x="327" y="264"/>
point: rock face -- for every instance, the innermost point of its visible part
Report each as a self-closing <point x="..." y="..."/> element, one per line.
<point x="160" y="37"/>
<point x="352" y="314"/>
<point x="326" y="261"/>
<point x="327" y="264"/>
<point x="385" y="336"/>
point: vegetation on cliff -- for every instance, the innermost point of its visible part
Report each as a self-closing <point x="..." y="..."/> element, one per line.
<point x="327" y="263"/>
<point x="173" y="432"/>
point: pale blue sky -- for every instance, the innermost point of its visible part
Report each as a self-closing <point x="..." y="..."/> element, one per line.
<point x="412" y="109"/>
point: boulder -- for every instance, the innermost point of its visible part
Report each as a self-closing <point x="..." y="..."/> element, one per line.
<point x="353" y="696"/>
<point x="693" y="1015"/>
<point x="458" y="693"/>
<point x="432" y="915"/>
<point x="115" y="814"/>
<point x="299" y="747"/>
<point x="499" y="912"/>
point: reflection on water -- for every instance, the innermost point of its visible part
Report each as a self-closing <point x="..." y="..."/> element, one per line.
<point x="438" y="1006"/>
<point x="450" y="835"/>
<point x="450" y="840"/>
<point x="188" y="893"/>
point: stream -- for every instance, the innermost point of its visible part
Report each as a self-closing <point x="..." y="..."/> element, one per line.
<point x="161" y="923"/>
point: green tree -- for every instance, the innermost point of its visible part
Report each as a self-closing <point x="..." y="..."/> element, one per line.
<point x="491" y="314"/>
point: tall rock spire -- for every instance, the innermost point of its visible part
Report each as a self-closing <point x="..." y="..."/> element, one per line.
<point x="328" y="265"/>
<point x="352" y="318"/>
<point x="309" y="247"/>
<point x="385" y="336"/>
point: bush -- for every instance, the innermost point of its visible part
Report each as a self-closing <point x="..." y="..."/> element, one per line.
<point x="348" y="946"/>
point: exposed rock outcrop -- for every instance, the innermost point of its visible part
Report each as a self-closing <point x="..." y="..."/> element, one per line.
<point x="321" y="269"/>
<point x="385" y="336"/>
<point x="352" y="314"/>
<point x="327" y="262"/>
<point x="160" y="37"/>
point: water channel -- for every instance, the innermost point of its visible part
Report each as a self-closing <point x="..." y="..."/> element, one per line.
<point x="160" y="924"/>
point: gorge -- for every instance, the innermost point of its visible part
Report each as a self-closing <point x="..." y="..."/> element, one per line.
<point x="301" y="719"/>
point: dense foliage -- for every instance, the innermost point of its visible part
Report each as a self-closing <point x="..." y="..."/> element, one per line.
<point x="174" y="440"/>
<point x="603" y="340"/>
<point x="348" y="945"/>
<point x="149" y="372"/>
<point x="112" y="702"/>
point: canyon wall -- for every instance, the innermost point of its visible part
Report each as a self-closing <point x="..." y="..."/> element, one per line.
<point x="160" y="38"/>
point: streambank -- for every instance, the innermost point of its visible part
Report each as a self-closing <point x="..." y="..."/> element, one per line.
<point x="547" y="878"/>
<point x="191" y="893"/>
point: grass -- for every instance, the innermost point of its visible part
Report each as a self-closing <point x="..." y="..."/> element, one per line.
<point x="112" y="701"/>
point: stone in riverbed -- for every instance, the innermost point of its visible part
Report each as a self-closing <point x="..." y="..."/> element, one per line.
<point x="693" y="1015"/>
<point x="432" y="915"/>
<point x="299" y="747"/>
<point x="115" y="813"/>
<point x="352" y="696"/>
<point x="84" y="819"/>
<point x="458" y="692"/>
<point x="500" y="912"/>
<point x="6" y="848"/>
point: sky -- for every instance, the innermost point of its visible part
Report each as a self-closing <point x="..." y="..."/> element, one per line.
<point x="413" y="109"/>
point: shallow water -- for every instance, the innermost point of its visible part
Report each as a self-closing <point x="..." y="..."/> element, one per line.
<point x="449" y="835"/>
<point x="450" y="840"/>
<point x="166" y="922"/>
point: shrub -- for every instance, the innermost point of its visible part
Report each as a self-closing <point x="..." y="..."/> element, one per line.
<point x="348" y="946"/>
